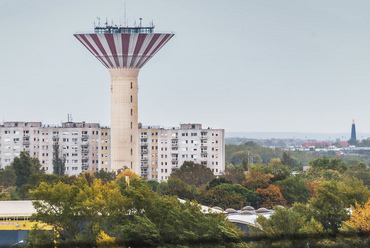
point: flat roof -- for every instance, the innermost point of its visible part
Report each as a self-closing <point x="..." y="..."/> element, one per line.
<point x="16" y="208"/>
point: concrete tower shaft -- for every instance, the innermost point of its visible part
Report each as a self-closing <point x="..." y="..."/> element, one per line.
<point x="124" y="51"/>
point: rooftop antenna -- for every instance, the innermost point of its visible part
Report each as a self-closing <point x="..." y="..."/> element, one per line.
<point x="106" y="21"/>
<point x="98" y="21"/>
<point x="140" y="21"/>
<point x="124" y="14"/>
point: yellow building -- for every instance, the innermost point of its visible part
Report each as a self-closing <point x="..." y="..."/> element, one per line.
<point x="14" y="221"/>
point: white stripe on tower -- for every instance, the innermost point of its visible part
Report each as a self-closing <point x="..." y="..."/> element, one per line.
<point x="145" y="44"/>
<point x="104" y="42"/>
<point x="169" y="36"/>
<point x="118" y="44"/>
<point x="131" y="48"/>
<point x="92" y="42"/>
<point x="88" y="48"/>
<point x="149" y="54"/>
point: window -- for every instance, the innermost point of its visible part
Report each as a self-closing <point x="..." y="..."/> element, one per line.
<point x="131" y="98"/>
<point x="65" y="133"/>
<point x="131" y="111"/>
<point x="131" y="85"/>
<point x="74" y="133"/>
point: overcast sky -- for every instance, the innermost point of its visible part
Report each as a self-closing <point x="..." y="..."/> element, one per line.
<point x="241" y="65"/>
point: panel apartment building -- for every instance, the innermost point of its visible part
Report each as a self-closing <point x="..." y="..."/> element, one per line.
<point x="163" y="150"/>
<point x="86" y="146"/>
<point x="83" y="145"/>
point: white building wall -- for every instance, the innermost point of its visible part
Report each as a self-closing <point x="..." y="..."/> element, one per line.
<point x="177" y="145"/>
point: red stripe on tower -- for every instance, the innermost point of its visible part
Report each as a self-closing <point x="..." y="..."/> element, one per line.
<point x="112" y="46"/>
<point x="102" y="53"/>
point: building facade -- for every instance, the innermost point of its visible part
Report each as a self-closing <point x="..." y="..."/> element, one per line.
<point x="162" y="150"/>
<point x="79" y="144"/>
<point x="87" y="147"/>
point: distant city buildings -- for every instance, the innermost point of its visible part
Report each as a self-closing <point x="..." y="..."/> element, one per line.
<point x="87" y="146"/>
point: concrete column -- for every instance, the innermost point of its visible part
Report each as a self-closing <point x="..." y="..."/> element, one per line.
<point x="124" y="118"/>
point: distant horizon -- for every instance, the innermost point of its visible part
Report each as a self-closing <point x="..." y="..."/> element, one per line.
<point x="345" y="136"/>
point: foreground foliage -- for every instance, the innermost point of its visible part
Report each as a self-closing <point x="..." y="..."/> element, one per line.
<point x="132" y="216"/>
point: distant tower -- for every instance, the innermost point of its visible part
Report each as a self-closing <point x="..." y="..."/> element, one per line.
<point x="124" y="51"/>
<point x="353" y="132"/>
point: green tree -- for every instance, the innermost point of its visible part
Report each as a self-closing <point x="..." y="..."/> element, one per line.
<point x="234" y="174"/>
<point x="7" y="177"/>
<point x="329" y="206"/>
<point x="329" y="164"/>
<point x="24" y="166"/>
<point x="193" y="173"/>
<point x="154" y="184"/>
<point x="294" y="189"/>
<point x="105" y="176"/>
<point x="217" y="181"/>
<point x="79" y="212"/>
<point x="59" y="163"/>
<point x="287" y="160"/>
<point x="176" y="186"/>
<point x="249" y="197"/>
<point x="283" y="228"/>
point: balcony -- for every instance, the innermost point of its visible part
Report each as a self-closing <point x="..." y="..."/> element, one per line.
<point x="175" y="159"/>
<point x="203" y="144"/>
<point x="85" y="144"/>
<point x="203" y="137"/>
<point x="144" y="150"/>
<point x="26" y="142"/>
<point x="144" y="166"/>
<point x="26" y="135"/>
<point x="203" y="152"/>
<point x="143" y="136"/>
<point x="85" y="166"/>
<point x="144" y="143"/>
<point x="84" y="136"/>
<point x="175" y="144"/>
<point x="144" y="158"/>
<point x="84" y="151"/>
<point x="85" y="158"/>
<point x="175" y="137"/>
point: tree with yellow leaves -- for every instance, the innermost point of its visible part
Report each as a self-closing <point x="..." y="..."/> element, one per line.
<point x="360" y="218"/>
<point x="129" y="173"/>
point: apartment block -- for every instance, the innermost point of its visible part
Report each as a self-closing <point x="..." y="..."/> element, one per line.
<point x="162" y="150"/>
<point x="87" y="146"/>
<point x="79" y="144"/>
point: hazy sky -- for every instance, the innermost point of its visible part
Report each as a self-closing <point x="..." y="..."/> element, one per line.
<point x="241" y="65"/>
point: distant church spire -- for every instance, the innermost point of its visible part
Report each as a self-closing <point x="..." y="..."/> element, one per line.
<point x="353" y="132"/>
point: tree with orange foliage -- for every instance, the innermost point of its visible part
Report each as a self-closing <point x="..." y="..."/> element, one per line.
<point x="257" y="179"/>
<point x="312" y="186"/>
<point x="271" y="197"/>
